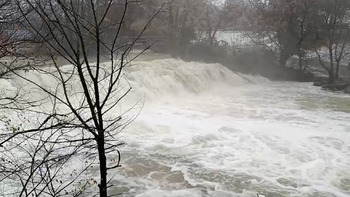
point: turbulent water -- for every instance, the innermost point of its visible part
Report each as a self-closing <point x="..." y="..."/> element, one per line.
<point x="215" y="133"/>
<point x="206" y="131"/>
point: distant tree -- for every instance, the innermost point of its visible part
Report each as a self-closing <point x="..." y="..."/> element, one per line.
<point x="235" y="15"/>
<point x="283" y="26"/>
<point x="213" y="20"/>
<point x="178" y="22"/>
<point x="334" y="31"/>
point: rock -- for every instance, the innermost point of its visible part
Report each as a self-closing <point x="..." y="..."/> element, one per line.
<point x="318" y="83"/>
<point x="347" y="89"/>
<point x="335" y="86"/>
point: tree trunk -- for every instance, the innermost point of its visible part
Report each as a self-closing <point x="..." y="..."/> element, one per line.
<point x="331" y="68"/>
<point x="331" y="76"/>
<point x="103" y="164"/>
<point x="337" y="70"/>
<point x="283" y="59"/>
<point x="300" y="62"/>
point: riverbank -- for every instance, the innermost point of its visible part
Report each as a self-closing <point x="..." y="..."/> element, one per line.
<point x="340" y="84"/>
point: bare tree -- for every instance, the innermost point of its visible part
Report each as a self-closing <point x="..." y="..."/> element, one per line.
<point x="79" y="115"/>
<point x="334" y="28"/>
<point x="178" y="21"/>
<point x="283" y="26"/>
<point x="214" y="19"/>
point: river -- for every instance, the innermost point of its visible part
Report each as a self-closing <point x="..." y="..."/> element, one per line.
<point x="208" y="132"/>
<point x="213" y="133"/>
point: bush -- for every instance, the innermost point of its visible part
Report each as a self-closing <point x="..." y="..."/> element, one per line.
<point x="203" y="51"/>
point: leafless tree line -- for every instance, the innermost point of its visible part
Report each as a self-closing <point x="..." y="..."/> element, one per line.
<point x="294" y="27"/>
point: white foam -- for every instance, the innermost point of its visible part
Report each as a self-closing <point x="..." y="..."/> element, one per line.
<point x="267" y="139"/>
<point x="178" y="193"/>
